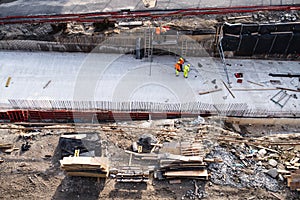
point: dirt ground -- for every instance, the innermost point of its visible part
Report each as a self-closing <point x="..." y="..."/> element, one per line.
<point x="36" y="173"/>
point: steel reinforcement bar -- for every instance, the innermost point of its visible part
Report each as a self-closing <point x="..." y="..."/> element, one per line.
<point x="101" y="16"/>
<point x="99" y="111"/>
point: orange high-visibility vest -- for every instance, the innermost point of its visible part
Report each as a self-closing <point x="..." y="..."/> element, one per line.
<point x="177" y="67"/>
<point x="157" y="30"/>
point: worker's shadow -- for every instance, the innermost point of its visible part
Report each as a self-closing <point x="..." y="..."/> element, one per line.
<point x="126" y="190"/>
<point x="79" y="188"/>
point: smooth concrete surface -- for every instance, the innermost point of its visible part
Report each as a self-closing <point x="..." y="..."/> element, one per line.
<point x="116" y="77"/>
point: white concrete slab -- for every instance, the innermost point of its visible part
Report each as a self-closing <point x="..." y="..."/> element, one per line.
<point x="113" y="77"/>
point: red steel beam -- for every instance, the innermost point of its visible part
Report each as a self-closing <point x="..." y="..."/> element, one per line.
<point x="99" y="17"/>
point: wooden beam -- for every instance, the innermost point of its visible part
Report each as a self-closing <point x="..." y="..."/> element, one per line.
<point x="288" y="89"/>
<point x="210" y="91"/>
<point x="253" y="89"/>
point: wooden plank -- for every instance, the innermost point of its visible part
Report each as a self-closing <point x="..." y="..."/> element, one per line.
<point x="175" y="181"/>
<point x="253" y="89"/>
<point x="87" y="174"/>
<point x="193" y="173"/>
<point x="279" y="197"/>
<point x="84" y="163"/>
<point x="210" y="91"/>
<point x="288" y="89"/>
<point x="212" y="160"/>
<point x="6" y="146"/>
<point x="141" y="154"/>
<point x="10" y="150"/>
<point x="255" y="83"/>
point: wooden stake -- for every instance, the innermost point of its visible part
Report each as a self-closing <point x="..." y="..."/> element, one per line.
<point x="228" y="89"/>
<point x="8" y="82"/>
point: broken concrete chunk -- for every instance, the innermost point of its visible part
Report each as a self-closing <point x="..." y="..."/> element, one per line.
<point x="262" y="152"/>
<point x="272" y="172"/>
<point x="259" y="163"/>
<point x="134" y="147"/>
<point x="280" y="177"/>
<point x="149" y="3"/>
<point x="273" y="162"/>
<point x="297" y="164"/>
<point x="294" y="160"/>
<point x="287" y="163"/>
<point x="274" y="155"/>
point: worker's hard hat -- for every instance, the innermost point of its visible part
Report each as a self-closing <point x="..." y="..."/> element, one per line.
<point x="188" y="65"/>
<point x="180" y="58"/>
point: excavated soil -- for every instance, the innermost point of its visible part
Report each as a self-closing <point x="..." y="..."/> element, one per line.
<point x="35" y="174"/>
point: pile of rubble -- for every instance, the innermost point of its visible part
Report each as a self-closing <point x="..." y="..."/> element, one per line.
<point x="255" y="162"/>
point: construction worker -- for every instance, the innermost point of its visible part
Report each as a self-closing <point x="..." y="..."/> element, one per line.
<point x="177" y="68"/>
<point x="186" y="70"/>
<point x="181" y="62"/>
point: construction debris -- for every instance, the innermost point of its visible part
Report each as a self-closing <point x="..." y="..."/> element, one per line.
<point x="149" y="3"/>
<point x="7" y="148"/>
<point x="211" y="154"/>
<point x="132" y="174"/>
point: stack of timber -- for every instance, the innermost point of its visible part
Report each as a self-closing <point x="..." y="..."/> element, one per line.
<point x="132" y="174"/>
<point x="293" y="180"/>
<point x="177" y="166"/>
<point x="183" y="148"/>
<point x="85" y="166"/>
<point x="182" y="160"/>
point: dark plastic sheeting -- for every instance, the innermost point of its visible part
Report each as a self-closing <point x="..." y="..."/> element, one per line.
<point x="264" y="44"/>
<point x="295" y="44"/>
<point x="249" y="39"/>
<point x="230" y="43"/>
<point x="242" y="29"/>
<point x="281" y="43"/>
<point x="247" y="45"/>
